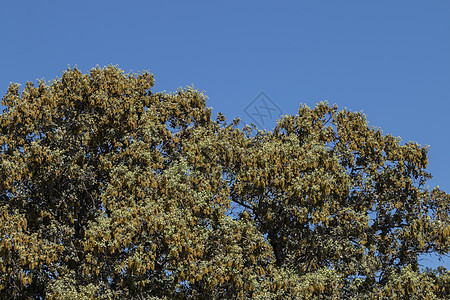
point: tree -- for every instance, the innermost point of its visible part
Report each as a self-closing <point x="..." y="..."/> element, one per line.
<point x="108" y="190"/>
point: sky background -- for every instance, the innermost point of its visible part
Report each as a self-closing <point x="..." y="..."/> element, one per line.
<point x="389" y="59"/>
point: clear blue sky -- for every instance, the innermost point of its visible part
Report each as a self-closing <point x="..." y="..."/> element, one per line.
<point x="389" y="59"/>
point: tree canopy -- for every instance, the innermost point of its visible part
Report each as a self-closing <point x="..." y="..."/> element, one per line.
<point x="109" y="190"/>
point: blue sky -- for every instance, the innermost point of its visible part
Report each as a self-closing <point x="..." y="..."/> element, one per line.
<point x="389" y="59"/>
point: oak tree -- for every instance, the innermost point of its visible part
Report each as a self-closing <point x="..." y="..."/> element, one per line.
<point x="109" y="190"/>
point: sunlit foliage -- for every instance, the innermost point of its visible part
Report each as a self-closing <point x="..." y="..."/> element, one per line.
<point x="109" y="190"/>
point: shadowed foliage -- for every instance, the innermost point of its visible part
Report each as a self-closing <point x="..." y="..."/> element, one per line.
<point x="111" y="191"/>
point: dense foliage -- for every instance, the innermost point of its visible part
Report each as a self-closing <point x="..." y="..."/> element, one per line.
<point x="108" y="190"/>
